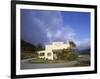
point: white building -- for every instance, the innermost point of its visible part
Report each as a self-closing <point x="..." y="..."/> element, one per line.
<point x="48" y="52"/>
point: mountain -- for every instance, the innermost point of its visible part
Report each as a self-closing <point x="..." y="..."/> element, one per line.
<point x="25" y="46"/>
<point x="83" y="51"/>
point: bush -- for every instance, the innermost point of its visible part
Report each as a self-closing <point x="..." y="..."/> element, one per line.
<point x="72" y="56"/>
<point x="67" y="54"/>
<point x="29" y="54"/>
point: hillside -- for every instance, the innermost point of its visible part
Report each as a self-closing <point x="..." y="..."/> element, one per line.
<point x="25" y="46"/>
<point x="83" y="51"/>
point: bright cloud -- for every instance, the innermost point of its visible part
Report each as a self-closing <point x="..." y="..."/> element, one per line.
<point x="52" y="24"/>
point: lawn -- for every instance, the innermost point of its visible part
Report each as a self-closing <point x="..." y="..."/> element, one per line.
<point x="84" y="60"/>
<point x="43" y="61"/>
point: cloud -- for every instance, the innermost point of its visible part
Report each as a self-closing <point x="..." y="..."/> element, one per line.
<point x="44" y="26"/>
<point x="39" y="26"/>
<point x="51" y="23"/>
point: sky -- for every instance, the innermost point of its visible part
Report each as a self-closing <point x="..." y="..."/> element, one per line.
<point x="45" y="26"/>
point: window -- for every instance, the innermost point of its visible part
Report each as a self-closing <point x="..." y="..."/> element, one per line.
<point x="48" y="54"/>
<point x="41" y="54"/>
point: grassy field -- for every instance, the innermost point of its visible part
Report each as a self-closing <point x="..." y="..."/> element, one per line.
<point x="83" y="60"/>
<point x="26" y="55"/>
<point x="38" y="61"/>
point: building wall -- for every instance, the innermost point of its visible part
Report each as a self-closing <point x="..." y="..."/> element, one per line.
<point x="57" y="45"/>
<point x="53" y="46"/>
<point x="46" y="54"/>
<point x="49" y="57"/>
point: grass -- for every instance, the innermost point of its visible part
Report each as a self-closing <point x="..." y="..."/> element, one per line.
<point x="38" y="61"/>
<point x="43" y="61"/>
<point x="84" y="60"/>
<point x="81" y="61"/>
<point x="26" y="55"/>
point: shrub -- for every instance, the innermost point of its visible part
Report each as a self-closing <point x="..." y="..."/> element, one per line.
<point x="67" y="54"/>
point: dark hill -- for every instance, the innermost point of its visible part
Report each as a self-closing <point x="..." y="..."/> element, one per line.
<point x="83" y="51"/>
<point x="25" y="46"/>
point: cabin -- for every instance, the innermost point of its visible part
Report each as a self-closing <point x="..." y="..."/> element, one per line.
<point x="49" y="48"/>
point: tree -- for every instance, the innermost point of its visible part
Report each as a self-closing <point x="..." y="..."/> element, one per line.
<point x="72" y="44"/>
<point x="68" y="54"/>
<point x="72" y="56"/>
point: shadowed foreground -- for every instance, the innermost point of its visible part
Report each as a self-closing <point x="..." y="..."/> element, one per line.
<point x="25" y="65"/>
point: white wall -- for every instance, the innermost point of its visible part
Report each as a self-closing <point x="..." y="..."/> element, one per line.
<point x="55" y="47"/>
<point x="5" y="40"/>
